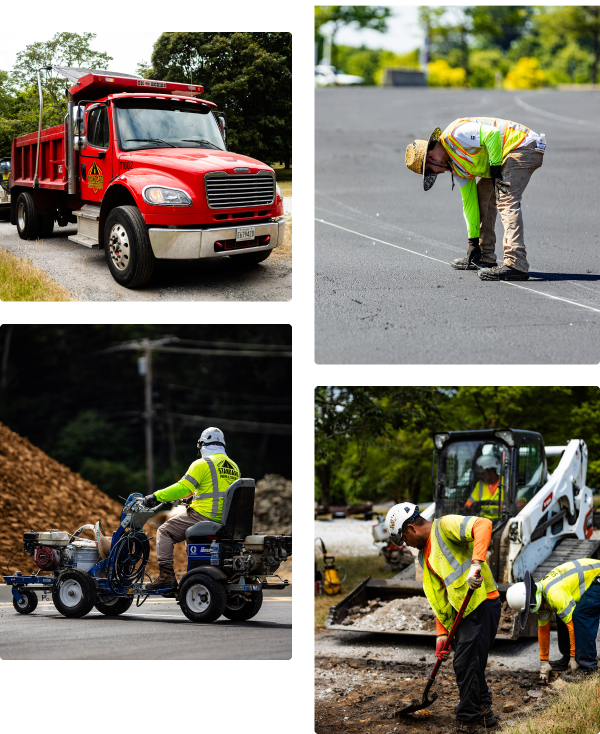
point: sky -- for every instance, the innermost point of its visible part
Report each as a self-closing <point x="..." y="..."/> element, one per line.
<point x="404" y="34"/>
<point x="127" y="48"/>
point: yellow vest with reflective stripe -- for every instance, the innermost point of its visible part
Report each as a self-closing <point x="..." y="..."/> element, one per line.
<point x="564" y="586"/>
<point x="483" y="492"/>
<point x="451" y="554"/>
<point x="476" y="162"/>
<point x="209" y="479"/>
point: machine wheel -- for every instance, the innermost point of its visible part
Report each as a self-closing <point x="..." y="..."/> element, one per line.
<point x="240" y="610"/>
<point x="113" y="605"/>
<point x="28" y="220"/>
<point x="202" y="598"/>
<point x="127" y="246"/>
<point x="29" y="603"/>
<point x="74" y="593"/>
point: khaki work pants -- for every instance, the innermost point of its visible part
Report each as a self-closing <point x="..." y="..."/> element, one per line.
<point x="517" y="169"/>
<point x="173" y="531"/>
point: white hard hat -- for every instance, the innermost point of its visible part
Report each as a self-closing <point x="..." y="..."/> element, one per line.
<point x="211" y="435"/>
<point x="524" y="597"/>
<point x="398" y="515"/>
<point x="488" y="461"/>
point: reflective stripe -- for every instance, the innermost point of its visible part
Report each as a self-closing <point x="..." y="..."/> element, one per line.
<point x="545" y="616"/>
<point x="570" y="572"/>
<point x="567" y="609"/>
<point x="463" y="528"/>
<point x="215" y="495"/>
<point x="580" y="572"/>
<point x="191" y="480"/>
<point x="458" y="568"/>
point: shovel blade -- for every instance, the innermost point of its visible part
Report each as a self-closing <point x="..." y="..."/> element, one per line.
<point x="415" y="705"/>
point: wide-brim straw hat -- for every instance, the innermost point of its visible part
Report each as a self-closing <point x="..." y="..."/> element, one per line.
<point x="416" y="153"/>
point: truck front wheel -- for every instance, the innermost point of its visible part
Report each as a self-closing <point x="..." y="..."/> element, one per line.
<point x="127" y="245"/>
<point x="28" y="220"/>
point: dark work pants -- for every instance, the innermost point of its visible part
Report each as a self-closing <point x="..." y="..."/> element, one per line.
<point x="585" y="620"/>
<point x="564" y="644"/>
<point x="471" y="644"/>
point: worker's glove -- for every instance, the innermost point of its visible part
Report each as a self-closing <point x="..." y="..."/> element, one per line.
<point x="545" y="670"/>
<point x="474" y="578"/>
<point x="498" y="182"/>
<point x="439" y="647"/>
<point x="150" y="501"/>
<point x="474" y="251"/>
<point x="573" y="665"/>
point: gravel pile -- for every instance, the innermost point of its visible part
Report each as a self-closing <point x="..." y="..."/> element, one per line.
<point x="273" y="505"/>
<point x="407" y="615"/>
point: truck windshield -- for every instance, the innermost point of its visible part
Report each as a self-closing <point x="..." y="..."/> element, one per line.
<point x="475" y="478"/>
<point x="143" y="124"/>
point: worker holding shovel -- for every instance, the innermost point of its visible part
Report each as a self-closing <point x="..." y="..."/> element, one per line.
<point x="503" y="155"/>
<point x="452" y="554"/>
<point x="572" y="592"/>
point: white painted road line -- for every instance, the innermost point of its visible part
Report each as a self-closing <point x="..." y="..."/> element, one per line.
<point x="552" y="116"/>
<point x="506" y="282"/>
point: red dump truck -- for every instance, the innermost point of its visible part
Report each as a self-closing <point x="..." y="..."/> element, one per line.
<point x="142" y="168"/>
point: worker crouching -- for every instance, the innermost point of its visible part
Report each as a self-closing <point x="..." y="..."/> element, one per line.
<point x="572" y="592"/>
<point x="452" y="550"/>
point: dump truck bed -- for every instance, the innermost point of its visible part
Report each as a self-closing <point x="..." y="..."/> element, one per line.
<point x="52" y="170"/>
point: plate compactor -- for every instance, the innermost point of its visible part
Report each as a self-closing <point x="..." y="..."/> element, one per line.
<point x="228" y="565"/>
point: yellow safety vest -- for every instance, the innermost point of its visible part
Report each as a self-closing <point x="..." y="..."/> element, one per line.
<point x="564" y="586"/>
<point x="476" y="162"/>
<point x="451" y="555"/>
<point x="208" y="479"/>
<point x="483" y="492"/>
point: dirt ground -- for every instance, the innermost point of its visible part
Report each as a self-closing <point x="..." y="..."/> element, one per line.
<point x="361" y="695"/>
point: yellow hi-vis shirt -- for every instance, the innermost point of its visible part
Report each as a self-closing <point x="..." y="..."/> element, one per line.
<point x="483" y="492"/>
<point x="208" y="479"/>
<point x="564" y="586"/>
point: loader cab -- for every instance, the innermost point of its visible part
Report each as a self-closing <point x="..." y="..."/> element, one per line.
<point x="487" y="473"/>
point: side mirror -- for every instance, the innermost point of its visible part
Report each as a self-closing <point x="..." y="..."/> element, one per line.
<point x="80" y="142"/>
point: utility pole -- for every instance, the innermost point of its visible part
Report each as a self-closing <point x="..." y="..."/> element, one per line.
<point x="149" y="417"/>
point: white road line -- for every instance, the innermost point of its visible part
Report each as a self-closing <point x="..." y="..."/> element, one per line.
<point x="506" y="282"/>
<point x="552" y="116"/>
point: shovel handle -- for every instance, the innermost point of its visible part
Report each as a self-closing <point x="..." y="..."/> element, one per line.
<point x="457" y="619"/>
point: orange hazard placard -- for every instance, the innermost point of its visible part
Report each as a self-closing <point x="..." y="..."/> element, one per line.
<point x="95" y="178"/>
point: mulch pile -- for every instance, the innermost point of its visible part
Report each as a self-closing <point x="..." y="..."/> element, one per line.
<point x="38" y="493"/>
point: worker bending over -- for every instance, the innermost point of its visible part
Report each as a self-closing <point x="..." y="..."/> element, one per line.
<point x="503" y="155"/>
<point x="572" y="592"/>
<point x="208" y="480"/>
<point x="486" y="497"/>
<point x="451" y="552"/>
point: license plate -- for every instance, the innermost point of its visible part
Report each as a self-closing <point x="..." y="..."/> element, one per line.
<point x="244" y="233"/>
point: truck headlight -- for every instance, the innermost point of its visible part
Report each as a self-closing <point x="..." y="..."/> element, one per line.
<point x="166" y="197"/>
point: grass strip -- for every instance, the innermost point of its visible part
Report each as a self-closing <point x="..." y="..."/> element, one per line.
<point x="21" y="281"/>
<point x="284" y="179"/>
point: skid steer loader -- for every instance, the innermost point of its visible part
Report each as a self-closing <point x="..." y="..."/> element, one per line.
<point x="540" y="519"/>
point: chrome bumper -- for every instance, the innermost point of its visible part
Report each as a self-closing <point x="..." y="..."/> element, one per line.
<point x="193" y="244"/>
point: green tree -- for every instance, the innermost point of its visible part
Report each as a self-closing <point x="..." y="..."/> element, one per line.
<point x="361" y="16"/>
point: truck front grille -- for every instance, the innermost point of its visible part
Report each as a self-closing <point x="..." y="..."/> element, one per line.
<point x="231" y="192"/>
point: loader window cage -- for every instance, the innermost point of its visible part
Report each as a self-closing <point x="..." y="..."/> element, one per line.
<point x="465" y="490"/>
<point x="530" y="473"/>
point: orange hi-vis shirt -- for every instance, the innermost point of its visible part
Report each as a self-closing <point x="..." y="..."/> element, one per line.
<point x="482" y="533"/>
<point x="544" y="640"/>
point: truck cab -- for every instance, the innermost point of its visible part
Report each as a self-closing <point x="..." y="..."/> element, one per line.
<point x="142" y="166"/>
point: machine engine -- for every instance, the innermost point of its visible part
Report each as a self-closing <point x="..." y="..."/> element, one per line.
<point x="263" y="554"/>
<point x="53" y="550"/>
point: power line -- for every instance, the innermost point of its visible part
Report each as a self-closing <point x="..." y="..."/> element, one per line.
<point x="280" y="429"/>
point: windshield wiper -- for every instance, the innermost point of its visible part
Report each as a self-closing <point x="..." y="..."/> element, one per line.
<point x="198" y="140"/>
<point x="150" y="140"/>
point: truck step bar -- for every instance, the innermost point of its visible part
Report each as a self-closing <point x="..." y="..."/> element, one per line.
<point x="88" y="220"/>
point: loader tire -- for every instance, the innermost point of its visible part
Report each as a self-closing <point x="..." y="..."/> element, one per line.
<point x="127" y="246"/>
<point x="29" y="603"/>
<point x="202" y="598"/>
<point x="74" y="593"/>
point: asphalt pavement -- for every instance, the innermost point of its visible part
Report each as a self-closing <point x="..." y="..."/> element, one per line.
<point x="385" y="292"/>
<point x="158" y="630"/>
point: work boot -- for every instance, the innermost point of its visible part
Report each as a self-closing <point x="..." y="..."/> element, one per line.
<point x="503" y="272"/>
<point x="488" y="719"/>
<point x="461" y="263"/>
<point x="462" y="727"/>
<point x="561" y="664"/>
<point x="166" y="579"/>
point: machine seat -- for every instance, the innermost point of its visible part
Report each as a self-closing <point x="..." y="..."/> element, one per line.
<point x="236" y="520"/>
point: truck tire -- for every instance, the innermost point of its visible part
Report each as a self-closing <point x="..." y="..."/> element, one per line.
<point x="46" y="225"/>
<point x="28" y="220"/>
<point x="29" y="603"/>
<point x="112" y="606"/>
<point x="246" y="610"/>
<point x="127" y="246"/>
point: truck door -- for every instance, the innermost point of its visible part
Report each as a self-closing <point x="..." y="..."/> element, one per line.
<point x="95" y="161"/>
